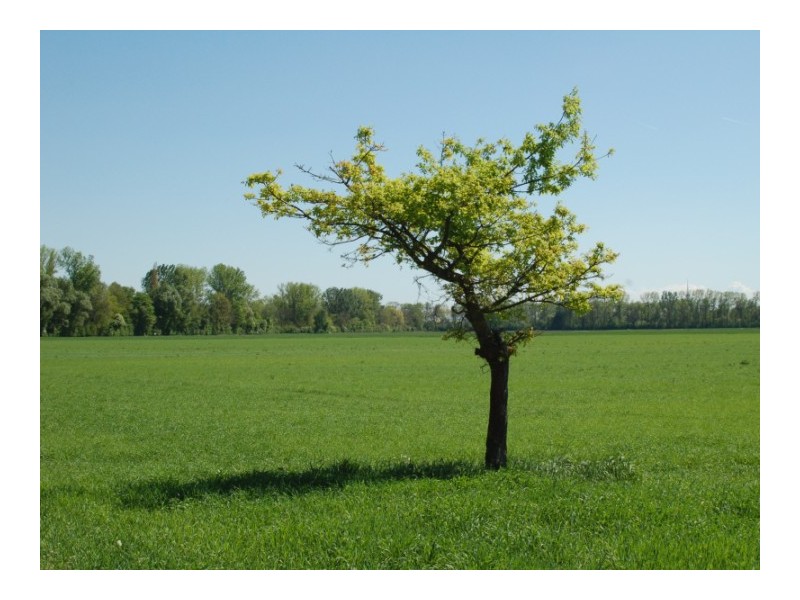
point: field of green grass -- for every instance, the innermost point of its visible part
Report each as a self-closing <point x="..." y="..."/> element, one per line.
<point x="627" y="450"/>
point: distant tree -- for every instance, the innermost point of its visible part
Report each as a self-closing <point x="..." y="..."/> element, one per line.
<point x="81" y="270"/>
<point x="391" y="318"/>
<point x="142" y="314"/>
<point x="231" y="282"/>
<point x="168" y="307"/>
<point x="465" y="219"/>
<point x="220" y="313"/>
<point x="81" y="289"/>
<point x="352" y="308"/>
<point x="414" y="315"/>
<point x="159" y="274"/>
<point x="51" y="301"/>
<point x="296" y="304"/>
<point x="341" y="305"/>
<point x="754" y="311"/>
<point x="121" y="299"/>
<point x="438" y="317"/>
<point x="74" y="311"/>
<point x="53" y="308"/>
<point x="120" y="302"/>
<point x="265" y="314"/>
<point x="322" y="321"/>
<point x="539" y="316"/>
<point x="118" y="325"/>
<point x="191" y="285"/>
<point x="244" y="318"/>
<point x="48" y="260"/>
<point x="101" y="314"/>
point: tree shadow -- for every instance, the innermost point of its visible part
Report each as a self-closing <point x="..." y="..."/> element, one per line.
<point x="165" y="493"/>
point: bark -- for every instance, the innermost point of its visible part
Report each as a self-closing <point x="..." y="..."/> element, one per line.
<point x="496" y="353"/>
<point x="498" y="416"/>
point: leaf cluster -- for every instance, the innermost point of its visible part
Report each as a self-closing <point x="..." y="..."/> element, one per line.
<point x="467" y="215"/>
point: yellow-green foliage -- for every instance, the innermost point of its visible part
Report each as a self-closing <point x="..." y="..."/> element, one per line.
<point x="467" y="215"/>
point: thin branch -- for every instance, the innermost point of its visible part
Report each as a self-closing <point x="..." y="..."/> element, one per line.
<point x="318" y="177"/>
<point x="301" y="214"/>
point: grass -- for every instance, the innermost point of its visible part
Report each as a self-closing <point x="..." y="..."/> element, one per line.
<point x="626" y="451"/>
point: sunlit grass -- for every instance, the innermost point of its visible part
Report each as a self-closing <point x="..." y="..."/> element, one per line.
<point x="626" y="450"/>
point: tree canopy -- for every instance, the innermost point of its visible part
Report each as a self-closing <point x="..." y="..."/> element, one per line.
<point x="468" y="218"/>
<point x="465" y="217"/>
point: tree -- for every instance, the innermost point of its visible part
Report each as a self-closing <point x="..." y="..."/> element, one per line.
<point x="74" y="310"/>
<point x="220" y="313"/>
<point x="101" y="315"/>
<point x="121" y="299"/>
<point x="414" y="315"/>
<point x="143" y="315"/>
<point x="52" y="305"/>
<point x="168" y="307"/>
<point x="231" y="282"/>
<point x="190" y="284"/>
<point x="391" y="317"/>
<point x="322" y="321"/>
<point x="81" y="270"/>
<point x="82" y="290"/>
<point x="48" y="260"/>
<point x="159" y="274"/>
<point x="51" y="301"/>
<point x="296" y="304"/>
<point x="118" y="325"/>
<point x="264" y="312"/>
<point x="437" y="317"/>
<point x="352" y="309"/>
<point x="467" y="219"/>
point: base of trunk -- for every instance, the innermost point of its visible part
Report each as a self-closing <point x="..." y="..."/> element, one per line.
<point x="495" y="459"/>
<point x="498" y="416"/>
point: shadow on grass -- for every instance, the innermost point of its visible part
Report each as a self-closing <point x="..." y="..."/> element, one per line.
<point x="169" y="492"/>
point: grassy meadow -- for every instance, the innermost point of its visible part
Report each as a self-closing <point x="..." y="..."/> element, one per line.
<point x="627" y="450"/>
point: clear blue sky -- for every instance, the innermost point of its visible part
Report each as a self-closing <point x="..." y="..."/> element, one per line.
<point x="146" y="137"/>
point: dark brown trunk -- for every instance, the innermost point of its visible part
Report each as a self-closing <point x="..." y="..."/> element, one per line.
<point x="498" y="415"/>
<point x="494" y="350"/>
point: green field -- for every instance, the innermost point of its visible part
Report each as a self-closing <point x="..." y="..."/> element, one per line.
<point x="626" y="451"/>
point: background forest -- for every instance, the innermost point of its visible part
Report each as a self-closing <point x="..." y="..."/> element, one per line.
<point x="179" y="299"/>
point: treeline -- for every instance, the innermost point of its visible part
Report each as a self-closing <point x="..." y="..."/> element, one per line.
<point x="179" y="299"/>
<point x="667" y="310"/>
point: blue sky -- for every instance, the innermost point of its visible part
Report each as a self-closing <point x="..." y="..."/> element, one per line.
<point x="145" y="138"/>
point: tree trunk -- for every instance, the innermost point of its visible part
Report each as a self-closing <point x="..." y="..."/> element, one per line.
<point x="498" y="415"/>
<point x="495" y="351"/>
